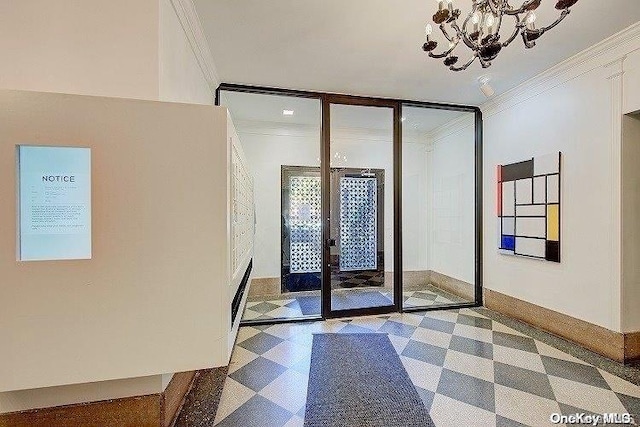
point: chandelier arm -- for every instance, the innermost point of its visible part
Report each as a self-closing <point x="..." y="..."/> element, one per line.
<point x="521" y="9"/>
<point x="493" y="7"/>
<point x="563" y="15"/>
<point x="446" y="34"/>
<point x="441" y="55"/>
<point x="499" y="25"/>
<point x="515" y="33"/>
<point x="465" y="66"/>
<point x="462" y="35"/>
<point x="484" y="63"/>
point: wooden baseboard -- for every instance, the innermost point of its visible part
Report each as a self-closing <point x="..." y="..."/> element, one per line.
<point x="174" y="394"/>
<point x="454" y="286"/>
<point x="142" y="411"/>
<point x="632" y="346"/>
<point x="265" y="286"/>
<point x="154" y="410"/>
<point x="614" y="345"/>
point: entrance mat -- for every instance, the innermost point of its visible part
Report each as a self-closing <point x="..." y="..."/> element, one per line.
<point x="359" y="380"/>
<point x="344" y="301"/>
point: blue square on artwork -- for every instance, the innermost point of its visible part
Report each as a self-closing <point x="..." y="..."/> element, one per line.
<point x="508" y="242"/>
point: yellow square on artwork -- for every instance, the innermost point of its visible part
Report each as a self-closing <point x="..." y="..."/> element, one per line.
<point x="553" y="223"/>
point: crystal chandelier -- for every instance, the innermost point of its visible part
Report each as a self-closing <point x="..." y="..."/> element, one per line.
<point x="480" y="31"/>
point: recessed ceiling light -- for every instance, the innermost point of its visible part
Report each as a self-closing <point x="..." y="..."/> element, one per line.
<point x="287" y="112"/>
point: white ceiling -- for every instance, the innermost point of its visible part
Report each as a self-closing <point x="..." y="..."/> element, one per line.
<point x="250" y="107"/>
<point x="373" y="47"/>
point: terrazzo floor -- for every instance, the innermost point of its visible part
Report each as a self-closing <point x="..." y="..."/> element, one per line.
<point x="471" y="367"/>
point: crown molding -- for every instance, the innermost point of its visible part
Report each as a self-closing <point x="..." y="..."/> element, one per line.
<point x="452" y="127"/>
<point x="263" y="128"/>
<point x="192" y="26"/>
<point x="609" y="51"/>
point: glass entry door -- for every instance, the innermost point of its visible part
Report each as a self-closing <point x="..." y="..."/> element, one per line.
<point x="360" y="229"/>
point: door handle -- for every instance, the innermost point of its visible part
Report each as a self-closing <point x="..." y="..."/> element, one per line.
<point x="330" y="242"/>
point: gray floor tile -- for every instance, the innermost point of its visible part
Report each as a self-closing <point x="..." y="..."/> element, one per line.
<point x="467" y="389"/>
<point x="294" y="305"/>
<point x="354" y="329"/>
<point x="258" y="373"/>
<point x="570" y="410"/>
<point x="425" y="352"/>
<point x="426" y="396"/>
<point x="478" y="322"/>
<point x="397" y="328"/>
<point x="523" y="380"/>
<point x="473" y="347"/>
<point x="264" y="307"/>
<point x="437" y="325"/>
<point x="257" y="412"/>
<point x="260" y="343"/>
<point x="515" y="341"/>
<point x="506" y="422"/>
<point x="425" y="295"/>
<point x="574" y="371"/>
<point x="631" y="403"/>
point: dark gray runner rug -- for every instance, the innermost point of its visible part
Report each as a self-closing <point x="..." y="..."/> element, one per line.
<point x="357" y="380"/>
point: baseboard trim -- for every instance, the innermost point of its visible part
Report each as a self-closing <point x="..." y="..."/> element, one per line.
<point x="142" y="411"/>
<point x="174" y="396"/>
<point x="621" y="347"/>
<point x="153" y="410"/>
<point x="452" y="285"/>
<point x="632" y="346"/>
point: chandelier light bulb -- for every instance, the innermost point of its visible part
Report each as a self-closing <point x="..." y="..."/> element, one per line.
<point x="490" y="21"/>
<point x="428" y="30"/>
<point x="530" y="20"/>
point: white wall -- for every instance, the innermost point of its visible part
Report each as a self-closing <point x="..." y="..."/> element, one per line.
<point x="130" y="49"/>
<point x="632" y="82"/>
<point x="574" y="118"/>
<point x="451" y="213"/>
<point x="268" y="147"/>
<point x="157" y="282"/>
<point x="415" y="202"/>
<point x="631" y="224"/>
<point x="181" y="78"/>
<point x="118" y="48"/>
<point x="90" y="47"/>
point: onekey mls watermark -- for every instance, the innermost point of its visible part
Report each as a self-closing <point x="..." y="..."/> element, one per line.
<point x="593" y="419"/>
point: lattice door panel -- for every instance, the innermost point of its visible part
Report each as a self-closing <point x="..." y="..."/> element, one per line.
<point x="358" y="224"/>
<point x="305" y="251"/>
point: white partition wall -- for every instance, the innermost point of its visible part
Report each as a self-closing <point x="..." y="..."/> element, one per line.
<point x="156" y="295"/>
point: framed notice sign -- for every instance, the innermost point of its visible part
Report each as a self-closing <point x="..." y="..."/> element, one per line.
<point x="54" y="203"/>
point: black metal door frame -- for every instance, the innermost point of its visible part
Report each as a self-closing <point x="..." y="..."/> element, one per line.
<point x="396" y="104"/>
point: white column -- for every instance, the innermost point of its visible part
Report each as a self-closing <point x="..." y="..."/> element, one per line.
<point x="615" y="76"/>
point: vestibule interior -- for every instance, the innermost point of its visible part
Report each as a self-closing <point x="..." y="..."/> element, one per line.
<point x="438" y="207"/>
<point x="280" y="137"/>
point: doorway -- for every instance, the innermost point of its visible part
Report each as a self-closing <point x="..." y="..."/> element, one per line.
<point x="335" y="178"/>
<point x="356" y="238"/>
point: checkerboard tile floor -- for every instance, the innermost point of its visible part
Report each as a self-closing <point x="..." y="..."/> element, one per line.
<point x="288" y="308"/>
<point x="469" y="370"/>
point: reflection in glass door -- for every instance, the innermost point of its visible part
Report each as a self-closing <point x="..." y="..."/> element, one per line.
<point x="360" y="236"/>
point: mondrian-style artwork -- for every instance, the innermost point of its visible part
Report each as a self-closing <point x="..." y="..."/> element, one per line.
<point x="529" y="208"/>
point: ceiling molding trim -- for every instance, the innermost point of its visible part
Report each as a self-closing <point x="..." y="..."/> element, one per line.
<point x="598" y="55"/>
<point x="452" y="127"/>
<point x="192" y="26"/>
<point x="295" y="130"/>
